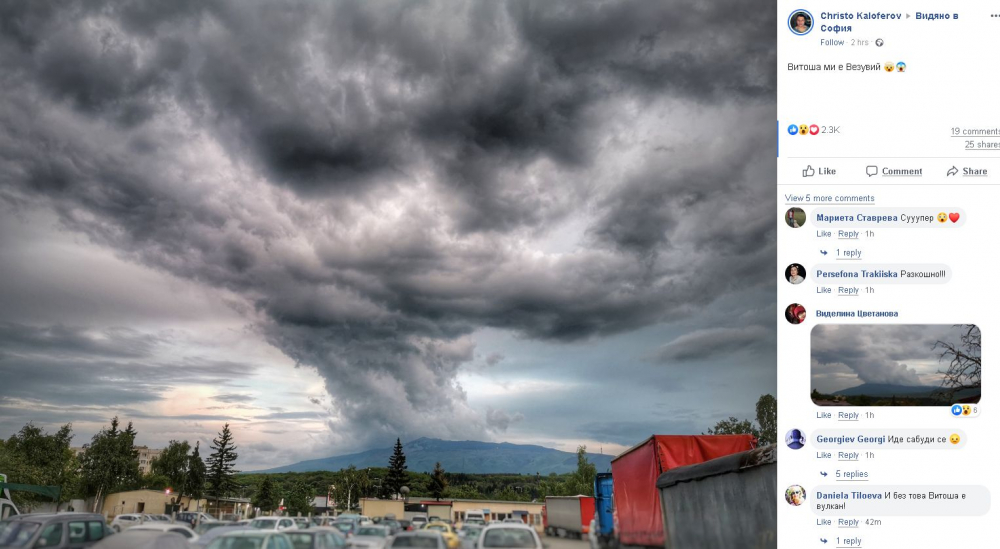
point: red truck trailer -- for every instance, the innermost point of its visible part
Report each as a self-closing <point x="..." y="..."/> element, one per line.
<point x="568" y="516"/>
<point x="637" y="500"/>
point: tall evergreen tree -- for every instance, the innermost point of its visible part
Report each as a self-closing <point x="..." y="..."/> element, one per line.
<point x="300" y="499"/>
<point x="221" y="461"/>
<point x="396" y="478"/>
<point x="266" y="497"/>
<point x="194" y="484"/>
<point x="439" y="484"/>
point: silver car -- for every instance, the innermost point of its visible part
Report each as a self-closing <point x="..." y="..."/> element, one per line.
<point x="419" y="539"/>
<point x="509" y="536"/>
<point x="53" y="530"/>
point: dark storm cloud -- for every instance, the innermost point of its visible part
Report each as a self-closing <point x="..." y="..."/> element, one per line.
<point x="880" y="354"/>
<point x="373" y="179"/>
<point x="500" y="420"/>
<point x="714" y="342"/>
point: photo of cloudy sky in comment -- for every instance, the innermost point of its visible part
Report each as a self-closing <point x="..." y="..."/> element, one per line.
<point x="335" y="223"/>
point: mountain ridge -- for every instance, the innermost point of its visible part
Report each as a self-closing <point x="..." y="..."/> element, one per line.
<point x="456" y="456"/>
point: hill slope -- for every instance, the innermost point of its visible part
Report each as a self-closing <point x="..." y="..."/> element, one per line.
<point x="458" y="457"/>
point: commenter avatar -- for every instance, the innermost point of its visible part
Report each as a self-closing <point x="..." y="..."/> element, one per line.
<point x="800" y="22"/>
<point x="795" y="495"/>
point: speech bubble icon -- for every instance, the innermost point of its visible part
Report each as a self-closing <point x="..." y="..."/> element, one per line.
<point x="871" y="170"/>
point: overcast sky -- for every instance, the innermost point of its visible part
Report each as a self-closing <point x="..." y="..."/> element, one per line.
<point x="846" y="356"/>
<point x="335" y="223"/>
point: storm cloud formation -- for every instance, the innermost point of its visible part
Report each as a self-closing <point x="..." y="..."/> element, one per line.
<point x="375" y="182"/>
<point x="844" y="355"/>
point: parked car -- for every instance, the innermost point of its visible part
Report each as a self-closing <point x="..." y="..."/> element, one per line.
<point x="470" y="531"/>
<point x="53" y="530"/>
<point x="418" y="521"/>
<point x="252" y="539"/>
<point x="125" y="521"/>
<point x="273" y="523"/>
<point x="393" y="525"/>
<point x="345" y="526"/>
<point x="418" y="539"/>
<point x="369" y="537"/>
<point x="193" y="517"/>
<point x="317" y="538"/>
<point x="182" y="529"/>
<point x="301" y="522"/>
<point x="509" y="536"/>
<point x="405" y="525"/>
<point x="208" y="525"/>
<point x="136" y="538"/>
<point x="209" y="536"/>
<point x="447" y="532"/>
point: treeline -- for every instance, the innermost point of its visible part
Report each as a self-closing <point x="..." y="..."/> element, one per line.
<point x="110" y="463"/>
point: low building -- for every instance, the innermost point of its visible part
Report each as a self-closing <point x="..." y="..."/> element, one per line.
<point x="148" y="501"/>
<point x="529" y="512"/>
<point x="238" y="507"/>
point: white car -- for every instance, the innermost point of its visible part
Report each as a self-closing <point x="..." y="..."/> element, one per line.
<point x="126" y="521"/>
<point x="181" y="529"/>
<point x="278" y="524"/>
<point x="369" y="537"/>
<point x="509" y="535"/>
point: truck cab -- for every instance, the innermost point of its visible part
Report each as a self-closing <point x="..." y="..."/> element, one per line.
<point x="7" y="507"/>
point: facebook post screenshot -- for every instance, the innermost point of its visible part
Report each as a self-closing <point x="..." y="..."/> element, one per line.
<point x="497" y="274"/>
<point x="888" y="142"/>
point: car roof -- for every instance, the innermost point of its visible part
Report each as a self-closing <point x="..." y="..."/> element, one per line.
<point x="49" y="516"/>
<point x="145" y="539"/>
<point x="250" y="534"/>
<point x="158" y="526"/>
<point x="419" y="533"/>
<point x="520" y="525"/>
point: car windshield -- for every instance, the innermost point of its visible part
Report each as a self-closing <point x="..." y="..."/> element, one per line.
<point x="263" y="524"/>
<point x="380" y="532"/>
<point x="237" y="543"/>
<point x="415" y="541"/>
<point x="508" y="537"/>
<point x="17" y="533"/>
<point x="438" y="527"/>
<point x="343" y="526"/>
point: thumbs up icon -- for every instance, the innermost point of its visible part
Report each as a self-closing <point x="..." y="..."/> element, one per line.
<point x="808" y="172"/>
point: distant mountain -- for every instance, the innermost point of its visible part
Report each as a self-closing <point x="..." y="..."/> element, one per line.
<point x="888" y="390"/>
<point x="458" y="457"/>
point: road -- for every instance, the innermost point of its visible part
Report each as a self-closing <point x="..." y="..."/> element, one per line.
<point x="564" y="543"/>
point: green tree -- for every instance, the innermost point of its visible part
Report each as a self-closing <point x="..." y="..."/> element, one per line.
<point x="194" y="483"/>
<point x="266" y="497"/>
<point x="734" y="426"/>
<point x="581" y="482"/>
<point x="221" y="465"/>
<point x="767" y="419"/>
<point x="396" y="478"/>
<point x="32" y="456"/>
<point x="300" y="499"/>
<point x="439" y="484"/>
<point x="110" y="462"/>
<point x="173" y="464"/>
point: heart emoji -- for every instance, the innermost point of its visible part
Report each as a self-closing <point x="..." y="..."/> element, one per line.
<point x="953" y="217"/>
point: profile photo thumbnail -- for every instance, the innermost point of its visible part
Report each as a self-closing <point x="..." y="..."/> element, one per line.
<point x="801" y="22"/>
<point x="795" y="273"/>
<point x="795" y="495"/>
<point x="795" y="439"/>
<point x="795" y="217"/>
<point x="795" y="313"/>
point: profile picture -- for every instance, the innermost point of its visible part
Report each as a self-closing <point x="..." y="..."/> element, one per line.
<point x="795" y="217"/>
<point x="800" y="21"/>
<point x="795" y="314"/>
<point x="795" y="495"/>
<point x="795" y="439"/>
<point x="795" y="273"/>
